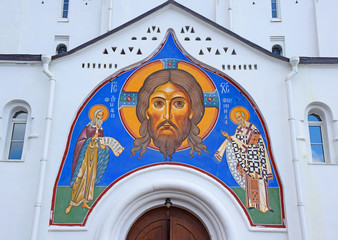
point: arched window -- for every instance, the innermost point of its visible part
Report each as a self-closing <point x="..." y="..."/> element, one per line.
<point x="316" y="137"/>
<point x="277" y="49"/>
<point x="17" y="135"/>
<point x="320" y="133"/>
<point x="61" y="48"/>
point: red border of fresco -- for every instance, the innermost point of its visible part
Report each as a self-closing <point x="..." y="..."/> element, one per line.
<point x="170" y="31"/>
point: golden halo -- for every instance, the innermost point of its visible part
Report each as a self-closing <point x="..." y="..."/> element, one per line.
<point x="96" y="107"/>
<point x="236" y="109"/>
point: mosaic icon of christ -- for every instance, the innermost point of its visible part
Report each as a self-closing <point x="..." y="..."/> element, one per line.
<point x="169" y="107"/>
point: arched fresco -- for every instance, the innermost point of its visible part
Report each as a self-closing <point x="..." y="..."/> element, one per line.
<point x="169" y="109"/>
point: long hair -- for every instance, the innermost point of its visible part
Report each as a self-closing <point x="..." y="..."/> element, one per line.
<point x="192" y="88"/>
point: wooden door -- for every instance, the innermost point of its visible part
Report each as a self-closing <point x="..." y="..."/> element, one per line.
<point x="168" y="224"/>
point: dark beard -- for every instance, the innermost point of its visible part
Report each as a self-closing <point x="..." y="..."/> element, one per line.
<point x="167" y="145"/>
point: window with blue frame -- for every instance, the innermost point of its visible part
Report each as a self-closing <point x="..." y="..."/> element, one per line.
<point x="17" y="135"/>
<point x="65" y="8"/>
<point x="317" y="139"/>
<point x="274" y="9"/>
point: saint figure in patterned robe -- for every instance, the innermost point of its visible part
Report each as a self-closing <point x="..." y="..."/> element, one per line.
<point x="90" y="161"/>
<point x="248" y="161"/>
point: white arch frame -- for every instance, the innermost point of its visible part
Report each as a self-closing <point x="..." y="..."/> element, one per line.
<point x="325" y="113"/>
<point x="9" y="109"/>
<point x="188" y="188"/>
<point x="189" y="195"/>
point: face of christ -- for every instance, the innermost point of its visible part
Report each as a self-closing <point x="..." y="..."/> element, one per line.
<point x="169" y="117"/>
<point x="170" y="104"/>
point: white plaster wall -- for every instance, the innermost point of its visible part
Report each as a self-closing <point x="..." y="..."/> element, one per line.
<point x="35" y="25"/>
<point x="327" y="35"/>
<point x="11" y="25"/>
<point x="18" y="180"/>
<point x="315" y="84"/>
<point x="254" y="22"/>
<point x="124" y="11"/>
<point x="31" y="27"/>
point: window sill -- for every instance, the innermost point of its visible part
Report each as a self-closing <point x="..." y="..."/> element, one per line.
<point x="275" y="20"/>
<point x="11" y="160"/>
<point x="323" y="163"/>
<point x="63" y="20"/>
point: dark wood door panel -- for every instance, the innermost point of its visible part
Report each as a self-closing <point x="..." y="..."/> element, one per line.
<point x="168" y="224"/>
<point x="156" y="230"/>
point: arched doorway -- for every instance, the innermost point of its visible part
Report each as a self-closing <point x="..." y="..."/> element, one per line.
<point x="168" y="224"/>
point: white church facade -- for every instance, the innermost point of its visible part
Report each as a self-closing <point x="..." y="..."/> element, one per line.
<point x="168" y="120"/>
